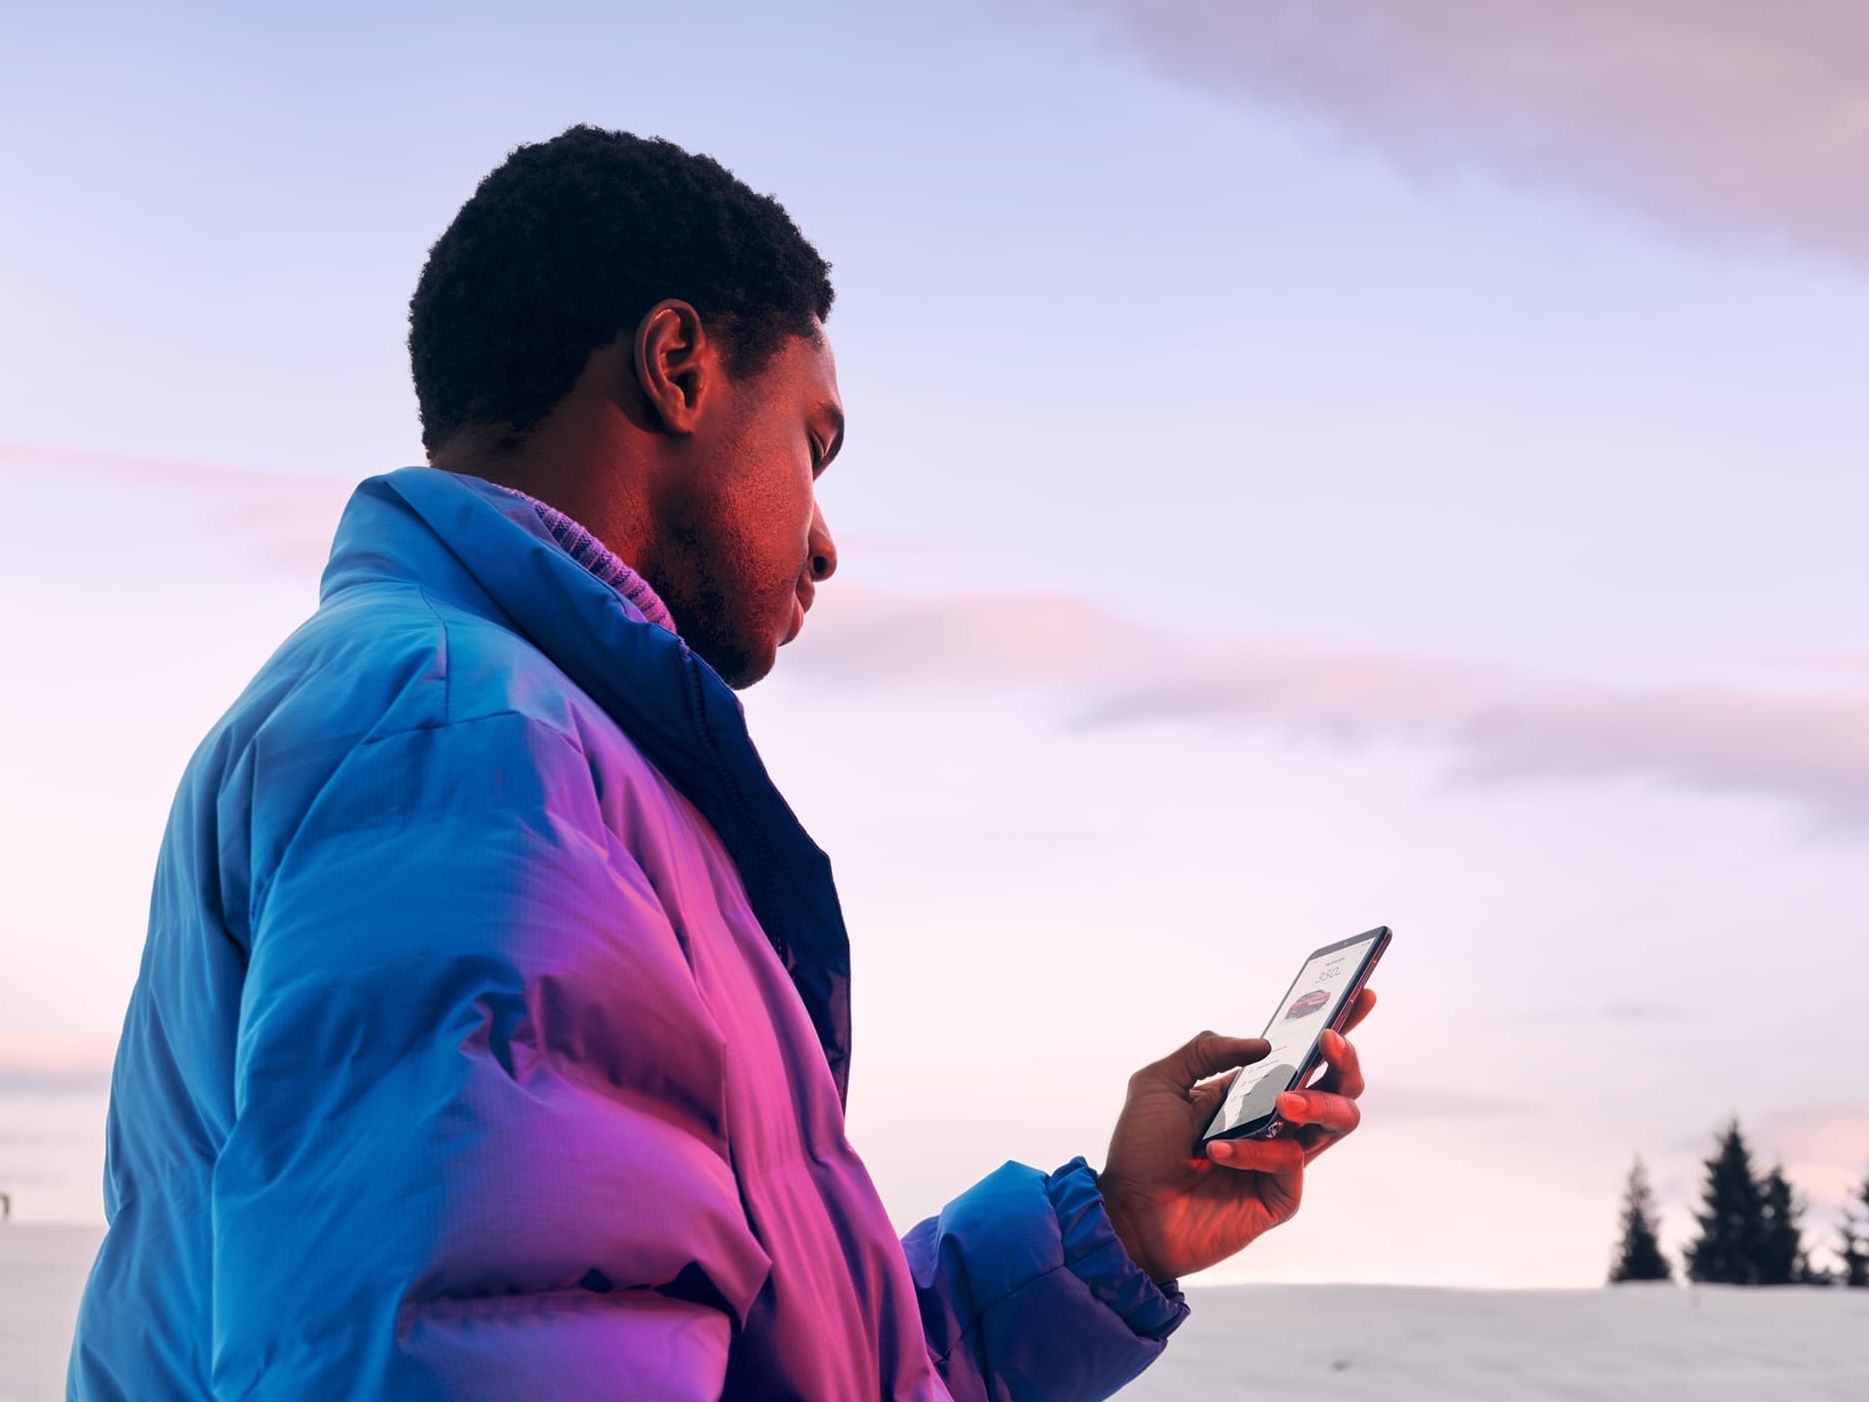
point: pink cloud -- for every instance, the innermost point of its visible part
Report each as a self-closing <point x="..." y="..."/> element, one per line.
<point x="147" y="471"/>
<point x="288" y="518"/>
<point x="291" y="517"/>
<point x="1725" y="117"/>
<point x="1825" y="1147"/>
<point x="53" y="1065"/>
<point x="1809" y="749"/>
<point x="1631" y="1012"/>
<point x="1429" y="1103"/>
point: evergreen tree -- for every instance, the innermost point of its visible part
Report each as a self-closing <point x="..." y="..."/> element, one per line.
<point x="1850" y="1252"/>
<point x="1783" y="1258"/>
<point x="1732" y="1216"/>
<point x="1639" y="1255"/>
<point x="1853" y="1246"/>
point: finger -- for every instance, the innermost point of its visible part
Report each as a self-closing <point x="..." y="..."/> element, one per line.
<point x="1345" y="1076"/>
<point x="1365" y="1000"/>
<point x="1334" y="1114"/>
<point x="1206" y="1055"/>
<point x="1276" y="1156"/>
<point x="1206" y="1097"/>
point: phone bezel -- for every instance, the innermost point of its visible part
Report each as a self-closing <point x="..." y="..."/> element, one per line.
<point x="1269" y="1125"/>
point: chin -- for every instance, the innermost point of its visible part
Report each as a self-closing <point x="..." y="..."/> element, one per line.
<point x="752" y="675"/>
<point x="739" y="665"/>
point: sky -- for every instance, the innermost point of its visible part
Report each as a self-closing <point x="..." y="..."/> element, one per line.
<point x="1307" y="468"/>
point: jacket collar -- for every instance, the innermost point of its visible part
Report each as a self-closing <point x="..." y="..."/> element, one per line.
<point x="486" y="549"/>
<point x="599" y="559"/>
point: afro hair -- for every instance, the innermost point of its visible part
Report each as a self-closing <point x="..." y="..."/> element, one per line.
<point x="566" y="245"/>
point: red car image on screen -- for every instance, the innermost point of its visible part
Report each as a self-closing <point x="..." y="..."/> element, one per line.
<point x="1307" y="1003"/>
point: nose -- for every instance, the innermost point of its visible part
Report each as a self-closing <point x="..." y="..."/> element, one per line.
<point x="823" y="549"/>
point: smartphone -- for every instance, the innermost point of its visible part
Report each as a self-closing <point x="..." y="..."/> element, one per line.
<point x="1318" y="998"/>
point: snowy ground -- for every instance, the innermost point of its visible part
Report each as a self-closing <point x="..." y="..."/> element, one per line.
<point x="42" y="1271"/>
<point x="1301" y="1343"/>
<point x="1334" y="1343"/>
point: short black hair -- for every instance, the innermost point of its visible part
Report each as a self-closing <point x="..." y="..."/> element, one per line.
<point x="567" y="244"/>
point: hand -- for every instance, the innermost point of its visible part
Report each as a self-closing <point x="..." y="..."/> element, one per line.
<point x="1177" y="1212"/>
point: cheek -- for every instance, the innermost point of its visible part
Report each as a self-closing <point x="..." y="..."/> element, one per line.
<point x="785" y="517"/>
<point x="769" y="527"/>
<point x="759" y="506"/>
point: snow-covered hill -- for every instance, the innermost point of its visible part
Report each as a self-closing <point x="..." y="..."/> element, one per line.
<point x="1302" y="1343"/>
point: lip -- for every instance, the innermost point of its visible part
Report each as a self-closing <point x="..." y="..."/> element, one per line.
<point x="801" y="605"/>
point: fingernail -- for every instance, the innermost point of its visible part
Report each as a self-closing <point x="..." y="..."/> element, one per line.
<point x="1290" y="1103"/>
<point x="1220" y="1149"/>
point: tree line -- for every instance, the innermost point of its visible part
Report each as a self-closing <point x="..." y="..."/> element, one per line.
<point x="1750" y="1229"/>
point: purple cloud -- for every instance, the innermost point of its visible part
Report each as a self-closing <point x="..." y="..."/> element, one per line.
<point x="1823" y="1145"/>
<point x="288" y="518"/>
<point x="1627" y="1013"/>
<point x="1722" y="117"/>
<point x="1811" y="750"/>
<point x="1429" y="1103"/>
<point x="33" y="1065"/>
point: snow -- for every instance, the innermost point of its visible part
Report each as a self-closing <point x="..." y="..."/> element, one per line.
<point x="1630" y="1343"/>
<point x="1317" y="1343"/>
<point x="42" y="1274"/>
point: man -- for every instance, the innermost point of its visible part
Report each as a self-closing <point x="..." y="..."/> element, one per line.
<point x="492" y="1033"/>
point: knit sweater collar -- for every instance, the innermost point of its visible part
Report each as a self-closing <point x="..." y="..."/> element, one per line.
<point x="600" y="560"/>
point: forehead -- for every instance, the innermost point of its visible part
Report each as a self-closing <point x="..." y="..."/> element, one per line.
<point x="801" y="378"/>
<point x="814" y="366"/>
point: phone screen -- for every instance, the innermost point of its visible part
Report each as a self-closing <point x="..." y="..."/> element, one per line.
<point x="1306" y="1010"/>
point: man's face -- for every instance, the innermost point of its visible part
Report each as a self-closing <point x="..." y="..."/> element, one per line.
<point x="743" y="541"/>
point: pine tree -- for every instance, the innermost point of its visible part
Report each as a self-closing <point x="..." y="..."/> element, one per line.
<point x="1852" y="1246"/>
<point x="1783" y="1258"/>
<point x="1850" y="1252"/>
<point x="1639" y="1255"/>
<point x="1731" y="1218"/>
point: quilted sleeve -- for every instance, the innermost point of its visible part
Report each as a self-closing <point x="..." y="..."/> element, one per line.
<point x="478" y="1149"/>
<point x="1027" y="1293"/>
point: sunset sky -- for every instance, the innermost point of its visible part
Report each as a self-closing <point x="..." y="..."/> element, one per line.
<point x="1307" y="468"/>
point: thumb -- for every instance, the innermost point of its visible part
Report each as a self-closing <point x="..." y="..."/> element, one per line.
<point x="1206" y="1097"/>
<point x="1207" y="1054"/>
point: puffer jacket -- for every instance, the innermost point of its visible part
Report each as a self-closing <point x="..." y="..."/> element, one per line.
<point x="492" y="1036"/>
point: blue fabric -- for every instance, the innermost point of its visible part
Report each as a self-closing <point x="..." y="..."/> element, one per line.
<point x="599" y="559"/>
<point x="492" y="1033"/>
<point x="990" y="1297"/>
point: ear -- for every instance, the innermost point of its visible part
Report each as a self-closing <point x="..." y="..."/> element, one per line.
<point x="674" y="362"/>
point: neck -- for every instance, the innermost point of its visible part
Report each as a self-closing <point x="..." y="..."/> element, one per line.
<point x="599" y="559"/>
<point x="591" y="475"/>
